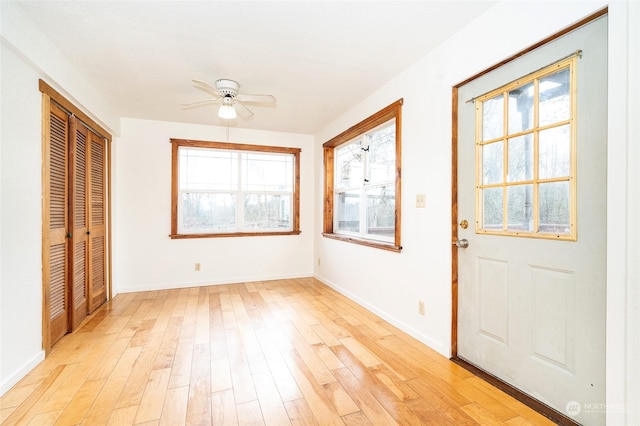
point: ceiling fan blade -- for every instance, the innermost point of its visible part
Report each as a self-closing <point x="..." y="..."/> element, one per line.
<point x="243" y="110"/>
<point x="199" y="103"/>
<point x="258" y="99"/>
<point x="206" y="87"/>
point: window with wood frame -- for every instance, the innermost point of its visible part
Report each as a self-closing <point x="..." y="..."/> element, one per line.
<point x="526" y="156"/>
<point x="362" y="181"/>
<point x="231" y="190"/>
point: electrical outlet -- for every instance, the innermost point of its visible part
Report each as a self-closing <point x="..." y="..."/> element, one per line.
<point x="421" y="307"/>
<point x="197" y="266"/>
<point x="421" y="200"/>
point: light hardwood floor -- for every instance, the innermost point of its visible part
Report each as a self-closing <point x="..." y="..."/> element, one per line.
<point x="275" y="352"/>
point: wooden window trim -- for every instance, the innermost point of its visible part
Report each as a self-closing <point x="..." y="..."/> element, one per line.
<point x="177" y="143"/>
<point x="392" y="111"/>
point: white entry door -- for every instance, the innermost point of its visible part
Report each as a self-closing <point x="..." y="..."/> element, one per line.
<point x="532" y="187"/>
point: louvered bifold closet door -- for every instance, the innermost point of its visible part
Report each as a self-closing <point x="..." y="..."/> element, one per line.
<point x="97" y="221"/>
<point x="78" y="206"/>
<point x="56" y="251"/>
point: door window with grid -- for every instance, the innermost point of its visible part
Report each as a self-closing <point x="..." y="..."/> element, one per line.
<point x="525" y="153"/>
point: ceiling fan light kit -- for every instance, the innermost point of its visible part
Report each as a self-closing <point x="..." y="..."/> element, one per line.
<point x="227" y="111"/>
<point x="227" y="92"/>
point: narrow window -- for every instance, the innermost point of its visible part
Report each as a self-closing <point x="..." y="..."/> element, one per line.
<point x="362" y="181"/>
<point x="525" y="151"/>
<point x="224" y="189"/>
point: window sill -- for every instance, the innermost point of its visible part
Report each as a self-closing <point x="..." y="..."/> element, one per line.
<point x="368" y="243"/>
<point x="232" y="234"/>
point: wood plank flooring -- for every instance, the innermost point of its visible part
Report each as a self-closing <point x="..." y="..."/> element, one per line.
<point x="275" y="352"/>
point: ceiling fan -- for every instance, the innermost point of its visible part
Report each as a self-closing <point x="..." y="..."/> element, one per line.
<point x="226" y="92"/>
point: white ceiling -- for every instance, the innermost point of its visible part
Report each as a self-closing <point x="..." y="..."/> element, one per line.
<point x="318" y="58"/>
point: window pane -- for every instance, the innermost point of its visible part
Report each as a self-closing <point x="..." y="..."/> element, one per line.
<point x="492" y="118"/>
<point x="206" y="212"/>
<point x="208" y="169"/>
<point x="519" y="212"/>
<point x="521" y="109"/>
<point x="492" y="163"/>
<point x="555" y="99"/>
<point x="554" y="156"/>
<point x="492" y="211"/>
<point x="348" y="211"/>
<point x="381" y="208"/>
<point x="264" y="211"/>
<point x="525" y="168"/>
<point x="267" y="172"/>
<point x="348" y="165"/>
<point x="554" y="207"/>
<point x="382" y="154"/>
<point x="520" y="158"/>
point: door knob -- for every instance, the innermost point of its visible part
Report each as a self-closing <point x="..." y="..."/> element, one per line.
<point x="463" y="243"/>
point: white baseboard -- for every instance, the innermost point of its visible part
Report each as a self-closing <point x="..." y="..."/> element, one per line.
<point x="21" y="372"/>
<point x="235" y="280"/>
<point x="430" y="342"/>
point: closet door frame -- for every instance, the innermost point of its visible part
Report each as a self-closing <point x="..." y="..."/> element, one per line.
<point x="51" y="96"/>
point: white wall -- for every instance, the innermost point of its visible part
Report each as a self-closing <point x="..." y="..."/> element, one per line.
<point x="20" y="220"/>
<point x="146" y="258"/>
<point x="391" y="284"/>
<point x="26" y="56"/>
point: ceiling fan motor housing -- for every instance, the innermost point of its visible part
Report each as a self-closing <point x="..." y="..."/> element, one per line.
<point x="227" y="87"/>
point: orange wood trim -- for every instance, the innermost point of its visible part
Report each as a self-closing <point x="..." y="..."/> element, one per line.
<point x="234" y="146"/>
<point x="46" y="301"/>
<point x="232" y="234"/>
<point x="368" y="123"/>
<point x="174" y="188"/>
<point x="549" y="39"/>
<point x="64" y="103"/>
<point x="398" y="194"/>
<point x="368" y="243"/>
<point x="296" y="192"/>
<point x="328" y="190"/>
<point x="454" y="222"/>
